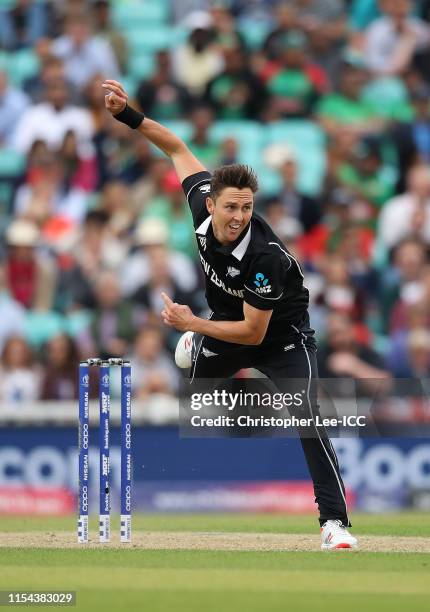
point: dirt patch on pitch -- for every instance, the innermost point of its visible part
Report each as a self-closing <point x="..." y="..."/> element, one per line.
<point x="160" y="540"/>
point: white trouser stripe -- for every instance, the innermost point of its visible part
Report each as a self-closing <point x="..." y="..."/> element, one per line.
<point x="316" y="429"/>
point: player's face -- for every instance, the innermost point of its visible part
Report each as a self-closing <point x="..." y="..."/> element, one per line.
<point x="231" y="213"/>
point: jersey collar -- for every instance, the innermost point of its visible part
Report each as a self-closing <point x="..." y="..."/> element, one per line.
<point x="237" y="249"/>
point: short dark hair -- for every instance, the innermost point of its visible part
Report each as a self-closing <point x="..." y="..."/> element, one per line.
<point x="234" y="175"/>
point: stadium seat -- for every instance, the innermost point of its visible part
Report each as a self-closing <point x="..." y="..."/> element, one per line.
<point x="248" y="134"/>
<point x="21" y="65"/>
<point x="254" y="32"/>
<point x="76" y="322"/>
<point x="12" y="165"/>
<point x="42" y="326"/>
<point x="307" y="141"/>
<point x="128" y="16"/>
<point x="141" y="65"/>
<point x="152" y="38"/>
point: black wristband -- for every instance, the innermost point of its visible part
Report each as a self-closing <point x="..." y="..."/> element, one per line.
<point x="130" y="117"/>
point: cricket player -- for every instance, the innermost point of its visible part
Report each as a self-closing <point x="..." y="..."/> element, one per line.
<point x="254" y="288"/>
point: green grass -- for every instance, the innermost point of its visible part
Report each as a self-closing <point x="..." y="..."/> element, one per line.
<point x="155" y="580"/>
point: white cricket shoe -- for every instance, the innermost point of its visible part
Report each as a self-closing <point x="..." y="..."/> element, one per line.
<point x="335" y="536"/>
<point x="183" y="352"/>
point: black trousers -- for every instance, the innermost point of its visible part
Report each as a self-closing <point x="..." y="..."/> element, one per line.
<point x="285" y="364"/>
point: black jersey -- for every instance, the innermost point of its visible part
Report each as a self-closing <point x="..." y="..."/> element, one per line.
<point x="256" y="268"/>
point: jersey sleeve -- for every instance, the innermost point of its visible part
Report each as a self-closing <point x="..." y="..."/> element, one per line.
<point x="265" y="282"/>
<point x="197" y="188"/>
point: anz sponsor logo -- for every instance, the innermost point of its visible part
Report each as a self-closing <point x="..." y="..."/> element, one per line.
<point x="214" y="278"/>
<point x="262" y="284"/>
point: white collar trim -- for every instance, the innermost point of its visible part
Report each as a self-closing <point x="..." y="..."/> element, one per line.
<point x="240" y="250"/>
<point x="203" y="228"/>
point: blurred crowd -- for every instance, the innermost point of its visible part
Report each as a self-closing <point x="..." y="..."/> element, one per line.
<point x="93" y="221"/>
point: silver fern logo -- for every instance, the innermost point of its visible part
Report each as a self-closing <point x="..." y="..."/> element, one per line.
<point x="202" y="240"/>
<point x="232" y="271"/>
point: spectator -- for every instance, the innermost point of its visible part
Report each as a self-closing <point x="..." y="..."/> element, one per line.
<point x="397" y="357"/>
<point x="325" y="54"/>
<point x="160" y="96"/>
<point x="160" y="279"/>
<point x="201" y="142"/>
<point x="79" y="172"/>
<point x="286" y="20"/>
<point x="101" y="14"/>
<point x="418" y="344"/>
<point x="31" y="276"/>
<point x="152" y="235"/>
<point x="23" y="24"/>
<point x="94" y="100"/>
<point x="13" y="102"/>
<point x="150" y="185"/>
<point x="292" y="82"/>
<point x="408" y="260"/>
<point x="409" y="213"/>
<point x="412" y="138"/>
<point x="329" y="15"/>
<point x="153" y="370"/>
<point x="51" y="71"/>
<point x="59" y="381"/>
<point x="393" y="39"/>
<point x="114" y="323"/>
<point x="12" y="313"/>
<point x="345" y="108"/>
<point x="236" y="93"/>
<point x="305" y="209"/>
<point x="367" y="176"/>
<point x="173" y="210"/>
<point x="115" y="201"/>
<point x="198" y="60"/>
<point x="224" y="25"/>
<point x="56" y="193"/>
<point x="51" y="120"/>
<point x="139" y="164"/>
<point x="84" y="55"/>
<point x="19" y="377"/>
<point x="95" y="248"/>
<point x="344" y="356"/>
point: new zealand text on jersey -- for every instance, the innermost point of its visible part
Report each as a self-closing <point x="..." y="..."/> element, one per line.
<point x="210" y="272"/>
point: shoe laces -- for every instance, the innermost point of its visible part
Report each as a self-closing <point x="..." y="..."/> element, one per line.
<point x="337" y="525"/>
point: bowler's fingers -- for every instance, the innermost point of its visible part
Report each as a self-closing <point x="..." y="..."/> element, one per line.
<point x="117" y="91"/>
<point x="114" y="84"/>
<point x="168" y="302"/>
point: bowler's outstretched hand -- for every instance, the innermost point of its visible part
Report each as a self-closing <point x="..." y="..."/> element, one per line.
<point x="176" y="315"/>
<point x="116" y="99"/>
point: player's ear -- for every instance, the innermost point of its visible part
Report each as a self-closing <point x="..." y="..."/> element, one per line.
<point x="210" y="205"/>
